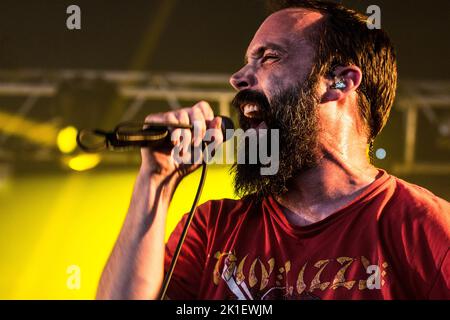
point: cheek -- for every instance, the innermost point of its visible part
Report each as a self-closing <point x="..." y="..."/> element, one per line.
<point x="275" y="81"/>
<point x="278" y="80"/>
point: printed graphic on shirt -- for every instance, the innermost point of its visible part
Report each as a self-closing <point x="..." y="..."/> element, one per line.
<point x="256" y="279"/>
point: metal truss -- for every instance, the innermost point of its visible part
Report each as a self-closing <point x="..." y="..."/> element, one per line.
<point x="422" y="97"/>
<point x="414" y="97"/>
<point x="171" y="86"/>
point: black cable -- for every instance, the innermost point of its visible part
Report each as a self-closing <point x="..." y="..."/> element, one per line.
<point x="176" y="254"/>
<point x="131" y="135"/>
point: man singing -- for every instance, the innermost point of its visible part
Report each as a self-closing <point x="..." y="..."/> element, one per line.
<point x="328" y="224"/>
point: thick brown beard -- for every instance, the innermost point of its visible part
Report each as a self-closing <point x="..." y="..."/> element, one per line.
<point x="294" y="113"/>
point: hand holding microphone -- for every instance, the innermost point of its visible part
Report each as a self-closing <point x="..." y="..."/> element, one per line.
<point x="142" y="236"/>
<point x="160" y="135"/>
<point x="163" y="159"/>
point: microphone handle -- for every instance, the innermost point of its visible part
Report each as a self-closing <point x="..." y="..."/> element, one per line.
<point x="157" y="134"/>
<point x="130" y="135"/>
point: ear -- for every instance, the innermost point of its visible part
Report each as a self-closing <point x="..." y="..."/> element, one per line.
<point x="348" y="79"/>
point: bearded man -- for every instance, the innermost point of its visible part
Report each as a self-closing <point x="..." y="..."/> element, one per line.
<point x="328" y="224"/>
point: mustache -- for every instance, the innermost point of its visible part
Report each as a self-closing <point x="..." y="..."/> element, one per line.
<point x="248" y="96"/>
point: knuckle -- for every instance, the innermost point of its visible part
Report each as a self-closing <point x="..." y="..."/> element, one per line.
<point x="170" y="116"/>
<point x="205" y="105"/>
<point x="206" y="108"/>
<point x="196" y="112"/>
<point x="183" y="115"/>
<point x="151" y="117"/>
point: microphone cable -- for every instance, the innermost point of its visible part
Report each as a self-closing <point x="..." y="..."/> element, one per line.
<point x="130" y="135"/>
<point x="186" y="226"/>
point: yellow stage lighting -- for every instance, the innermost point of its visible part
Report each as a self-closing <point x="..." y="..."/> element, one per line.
<point x="66" y="139"/>
<point x="84" y="162"/>
<point x="38" y="132"/>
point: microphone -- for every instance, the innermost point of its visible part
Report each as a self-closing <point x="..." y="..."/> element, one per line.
<point x="132" y="135"/>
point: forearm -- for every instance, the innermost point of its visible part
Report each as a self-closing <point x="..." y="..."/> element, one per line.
<point x="135" y="268"/>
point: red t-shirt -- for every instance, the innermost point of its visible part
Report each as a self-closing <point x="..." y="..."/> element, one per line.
<point x="392" y="242"/>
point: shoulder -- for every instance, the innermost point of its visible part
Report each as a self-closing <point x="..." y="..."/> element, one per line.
<point x="415" y="223"/>
<point x="413" y="202"/>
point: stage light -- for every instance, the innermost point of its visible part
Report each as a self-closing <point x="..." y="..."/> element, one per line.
<point x="66" y="139"/>
<point x="380" y="153"/>
<point x="84" y="162"/>
<point x="37" y="132"/>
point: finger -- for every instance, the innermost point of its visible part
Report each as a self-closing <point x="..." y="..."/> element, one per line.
<point x="206" y="109"/>
<point x="176" y="133"/>
<point x="213" y="137"/>
<point x="185" y="134"/>
<point x="216" y="125"/>
<point x="198" y="120"/>
<point x="155" y="117"/>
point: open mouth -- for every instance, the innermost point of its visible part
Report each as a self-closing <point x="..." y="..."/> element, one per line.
<point x="253" y="114"/>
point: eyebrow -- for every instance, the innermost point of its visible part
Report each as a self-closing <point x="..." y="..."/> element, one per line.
<point x="261" y="49"/>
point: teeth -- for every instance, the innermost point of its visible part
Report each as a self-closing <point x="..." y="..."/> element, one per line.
<point x="250" y="110"/>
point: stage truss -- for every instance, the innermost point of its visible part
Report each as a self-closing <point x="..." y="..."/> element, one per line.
<point x="414" y="97"/>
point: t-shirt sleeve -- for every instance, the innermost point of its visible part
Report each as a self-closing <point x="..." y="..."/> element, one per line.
<point x="418" y="237"/>
<point x="441" y="286"/>
<point x="186" y="278"/>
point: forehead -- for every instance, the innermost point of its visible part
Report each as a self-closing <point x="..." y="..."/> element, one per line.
<point x="283" y="28"/>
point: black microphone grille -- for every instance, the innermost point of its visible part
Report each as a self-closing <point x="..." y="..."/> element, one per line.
<point x="227" y="123"/>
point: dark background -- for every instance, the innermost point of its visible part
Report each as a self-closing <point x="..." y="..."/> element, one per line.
<point x="199" y="35"/>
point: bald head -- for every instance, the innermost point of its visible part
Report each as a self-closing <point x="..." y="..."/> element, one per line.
<point x="291" y="20"/>
<point x="288" y="26"/>
<point x="280" y="54"/>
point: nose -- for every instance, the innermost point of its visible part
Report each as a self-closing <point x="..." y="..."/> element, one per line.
<point x="243" y="79"/>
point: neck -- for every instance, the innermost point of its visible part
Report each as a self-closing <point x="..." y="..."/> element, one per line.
<point x="342" y="174"/>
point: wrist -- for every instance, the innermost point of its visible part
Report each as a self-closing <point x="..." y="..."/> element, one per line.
<point x="167" y="182"/>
